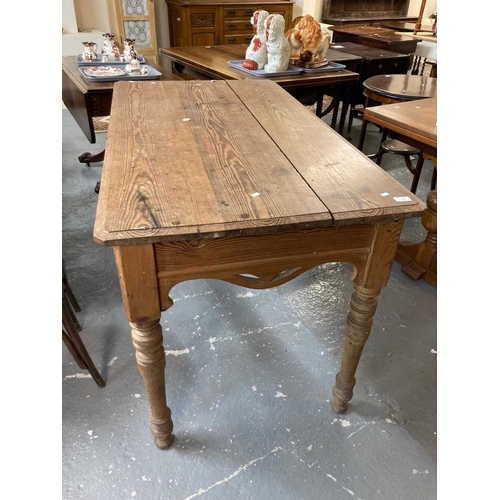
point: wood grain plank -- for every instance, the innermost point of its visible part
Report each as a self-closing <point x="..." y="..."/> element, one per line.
<point x="351" y="185"/>
<point x="189" y="158"/>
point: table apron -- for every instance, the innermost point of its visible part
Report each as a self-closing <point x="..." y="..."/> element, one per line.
<point x="258" y="261"/>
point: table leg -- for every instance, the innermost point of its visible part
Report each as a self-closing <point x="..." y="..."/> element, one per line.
<point x="419" y="260"/>
<point x="359" y="322"/>
<point x="139" y="286"/>
<point x="362" y="135"/>
<point x="368" y="282"/>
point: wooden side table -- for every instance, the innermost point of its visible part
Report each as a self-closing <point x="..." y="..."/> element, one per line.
<point x="390" y="89"/>
<point x="415" y="123"/>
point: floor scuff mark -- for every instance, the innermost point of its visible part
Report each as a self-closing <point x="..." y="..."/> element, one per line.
<point x="234" y="474"/>
<point x="176" y="353"/>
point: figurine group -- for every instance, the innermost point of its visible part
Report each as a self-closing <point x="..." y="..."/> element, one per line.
<point x="111" y="52"/>
<point x="272" y="50"/>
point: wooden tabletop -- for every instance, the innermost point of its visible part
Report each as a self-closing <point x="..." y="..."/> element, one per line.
<point x="203" y="158"/>
<point x="360" y="30"/>
<point x="417" y="120"/>
<point x="401" y="26"/>
<point x="404" y="87"/>
<point x="367" y="53"/>
<point x="340" y="56"/>
<point x="212" y="61"/>
<point x="391" y="38"/>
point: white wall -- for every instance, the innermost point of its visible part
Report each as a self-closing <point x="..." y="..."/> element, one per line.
<point x="69" y="24"/>
<point x="430" y="8"/>
<point x="92" y="14"/>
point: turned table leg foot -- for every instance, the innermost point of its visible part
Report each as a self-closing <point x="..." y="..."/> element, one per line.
<point x="359" y="322"/>
<point x="150" y="354"/>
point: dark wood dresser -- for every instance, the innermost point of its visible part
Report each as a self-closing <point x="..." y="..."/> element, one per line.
<point x="367" y="12"/>
<point x="218" y="22"/>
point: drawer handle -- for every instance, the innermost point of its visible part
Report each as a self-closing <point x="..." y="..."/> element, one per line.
<point x="231" y="12"/>
<point x="249" y="25"/>
<point x="232" y="40"/>
<point x="395" y="65"/>
<point x="232" y="26"/>
<point x="249" y="38"/>
<point x="249" y="12"/>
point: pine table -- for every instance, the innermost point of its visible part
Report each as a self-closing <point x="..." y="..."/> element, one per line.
<point x="236" y="180"/>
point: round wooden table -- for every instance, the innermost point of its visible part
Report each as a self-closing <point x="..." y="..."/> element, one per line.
<point x="390" y="89"/>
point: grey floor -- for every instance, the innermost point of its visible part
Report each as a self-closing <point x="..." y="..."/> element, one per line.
<point x="249" y="378"/>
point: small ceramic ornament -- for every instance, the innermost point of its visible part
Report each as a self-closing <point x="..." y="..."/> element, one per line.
<point x="90" y="51"/>
<point x="278" y="48"/>
<point x="109" y="48"/>
<point x="134" y="66"/>
<point x="129" y="51"/>
<point x="308" y="43"/>
<point x="256" y="53"/>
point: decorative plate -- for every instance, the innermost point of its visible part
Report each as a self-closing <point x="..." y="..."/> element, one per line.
<point x="103" y="71"/>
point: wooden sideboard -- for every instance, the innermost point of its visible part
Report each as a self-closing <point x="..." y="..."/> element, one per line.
<point x="218" y="22"/>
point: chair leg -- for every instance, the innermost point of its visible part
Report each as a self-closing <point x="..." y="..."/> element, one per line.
<point x="69" y="292"/>
<point x="434" y="179"/>
<point x="417" y="170"/>
<point x="384" y="137"/>
<point x="73" y="350"/>
<point x="351" y="118"/>
<point x="78" y="345"/>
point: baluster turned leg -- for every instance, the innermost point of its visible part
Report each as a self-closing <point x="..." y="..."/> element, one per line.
<point x="139" y="286"/>
<point x="150" y="355"/>
<point x="368" y="281"/>
<point x="358" y="326"/>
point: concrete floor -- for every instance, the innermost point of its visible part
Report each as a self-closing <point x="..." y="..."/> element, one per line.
<point x="249" y="378"/>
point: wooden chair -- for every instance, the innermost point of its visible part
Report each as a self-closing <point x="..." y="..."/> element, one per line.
<point x="70" y="329"/>
<point x="393" y="146"/>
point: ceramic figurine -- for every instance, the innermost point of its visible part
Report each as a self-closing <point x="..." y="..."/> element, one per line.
<point x="278" y="48"/>
<point x="134" y="66"/>
<point x="90" y="51"/>
<point x="308" y="43"/>
<point x="129" y="51"/>
<point x="256" y="53"/>
<point x="109" y="48"/>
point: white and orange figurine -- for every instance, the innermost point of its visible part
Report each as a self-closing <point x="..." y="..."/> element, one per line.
<point x="256" y="53"/>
